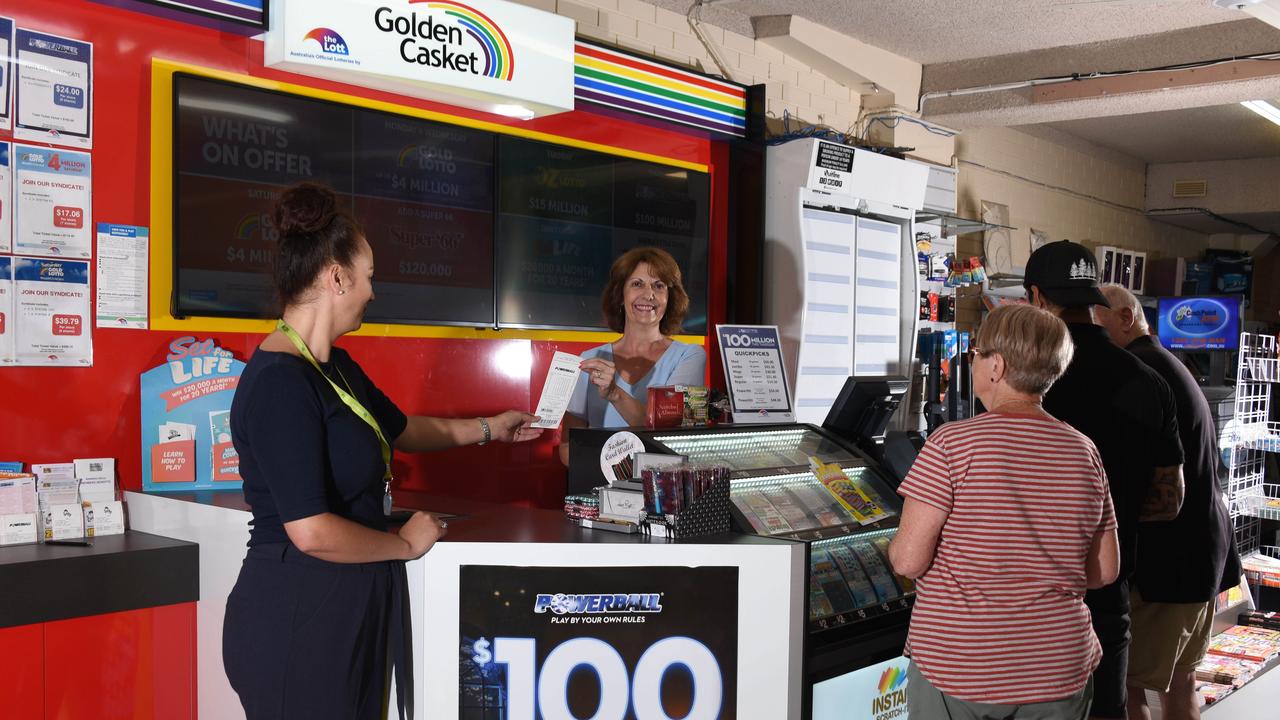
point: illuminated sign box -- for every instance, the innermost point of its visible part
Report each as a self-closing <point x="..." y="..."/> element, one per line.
<point x="489" y="55"/>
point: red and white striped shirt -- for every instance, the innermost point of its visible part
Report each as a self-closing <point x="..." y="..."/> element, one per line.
<point x="1000" y="615"/>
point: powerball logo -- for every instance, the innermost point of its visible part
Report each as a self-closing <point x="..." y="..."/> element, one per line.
<point x="330" y="41"/>
<point x="562" y="604"/>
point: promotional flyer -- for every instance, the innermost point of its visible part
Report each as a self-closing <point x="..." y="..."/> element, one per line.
<point x="51" y="312"/>
<point x="6" y="311"/>
<point x="186" y="423"/>
<point x="53" y="89"/>
<point x="611" y="643"/>
<point x="6" y="196"/>
<point x="53" y="199"/>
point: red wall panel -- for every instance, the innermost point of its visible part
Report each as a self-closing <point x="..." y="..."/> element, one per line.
<point x="57" y="414"/>
<point x="134" y="665"/>
<point x="21" y="671"/>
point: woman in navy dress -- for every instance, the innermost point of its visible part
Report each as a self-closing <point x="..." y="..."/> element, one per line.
<point x="314" y="623"/>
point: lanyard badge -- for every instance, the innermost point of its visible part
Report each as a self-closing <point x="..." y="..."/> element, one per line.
<point x="350" y="401"/>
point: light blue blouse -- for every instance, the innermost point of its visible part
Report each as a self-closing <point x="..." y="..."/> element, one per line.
<point x="681" y="364"/>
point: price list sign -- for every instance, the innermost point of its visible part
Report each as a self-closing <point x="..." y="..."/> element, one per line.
<point x="752" y="360"/>
<point x="611" y="643"/>
<point x="52" y="193"/>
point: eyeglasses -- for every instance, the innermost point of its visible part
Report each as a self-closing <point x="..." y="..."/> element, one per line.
<point x="977" y="352"/>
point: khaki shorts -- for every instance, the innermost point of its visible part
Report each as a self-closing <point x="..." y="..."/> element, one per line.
<point x="1168" y="638"/>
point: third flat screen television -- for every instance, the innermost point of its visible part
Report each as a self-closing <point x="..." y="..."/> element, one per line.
<point x="1199" y="323"/>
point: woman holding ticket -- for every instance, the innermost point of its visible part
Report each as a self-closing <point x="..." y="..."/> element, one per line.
<point x="646" y="302"/>
<point x="314" y="623"/>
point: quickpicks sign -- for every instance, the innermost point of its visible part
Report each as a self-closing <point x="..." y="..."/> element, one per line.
<point x="489" y="55"/>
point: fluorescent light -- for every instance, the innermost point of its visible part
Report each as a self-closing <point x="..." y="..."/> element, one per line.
<point x="1265" y="109"/>
<point x="519" y="112"/>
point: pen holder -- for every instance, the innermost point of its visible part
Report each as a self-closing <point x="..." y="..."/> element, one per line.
<point x="708" y="514"/>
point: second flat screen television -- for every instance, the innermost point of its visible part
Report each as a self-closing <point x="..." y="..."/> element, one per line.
<point x="447" y="209"/>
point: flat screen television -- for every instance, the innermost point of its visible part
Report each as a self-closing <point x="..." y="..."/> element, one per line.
<point x="1199" y="323"/>
<point x="447" y="210"/>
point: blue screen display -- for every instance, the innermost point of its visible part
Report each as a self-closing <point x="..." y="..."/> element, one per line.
<point x="1200" y="323"/>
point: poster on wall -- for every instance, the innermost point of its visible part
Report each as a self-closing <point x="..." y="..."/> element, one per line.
<point x="6" y="311"/>
<point x="52" y="202"/>
<point x="6" y="73"/>
<point x="53" y="89"/>
<point x="6" y="197"/>
<point x="662" y="642"/>
<point x="122" y="277"/>
<point x="51" y="312"/>
<point x="186" y="418"/>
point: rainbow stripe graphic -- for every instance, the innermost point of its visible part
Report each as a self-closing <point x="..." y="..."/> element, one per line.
<point x="247" y="227"/>
<point x="499" y="61"/>
<point x="891" y="679"/>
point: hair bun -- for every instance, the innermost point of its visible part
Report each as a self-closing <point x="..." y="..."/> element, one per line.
<point x="305" y="209"/>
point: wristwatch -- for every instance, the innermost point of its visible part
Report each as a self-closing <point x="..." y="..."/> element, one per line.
<point x="484" y="425"/>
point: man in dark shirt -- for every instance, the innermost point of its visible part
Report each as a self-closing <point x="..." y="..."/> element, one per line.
<point x="1182" y="563"/>
<point x="1128" y="412"/>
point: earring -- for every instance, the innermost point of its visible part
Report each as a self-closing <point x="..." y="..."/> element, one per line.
<point x="342" y="292"/>
<point x="993" y="378"/>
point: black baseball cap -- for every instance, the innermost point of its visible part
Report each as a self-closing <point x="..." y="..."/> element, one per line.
<point x="1066" y="273"/>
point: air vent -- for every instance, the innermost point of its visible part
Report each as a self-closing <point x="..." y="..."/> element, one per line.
<point x="1190" y="188"/>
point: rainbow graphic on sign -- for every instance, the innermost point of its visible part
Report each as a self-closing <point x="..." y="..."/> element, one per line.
<point x="891" y="679"/>
<point x="248" y="225"/>
<point x="499" y="62"/>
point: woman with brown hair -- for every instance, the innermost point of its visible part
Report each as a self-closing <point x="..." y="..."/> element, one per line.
<point x="646" y="302"/>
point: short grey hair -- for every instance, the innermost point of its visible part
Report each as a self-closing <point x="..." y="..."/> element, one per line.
<point x="1121" y="297"/>
<point x="1035" y="344"/>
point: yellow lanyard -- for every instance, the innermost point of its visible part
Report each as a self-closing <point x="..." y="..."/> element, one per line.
<point x="350" y="401"/>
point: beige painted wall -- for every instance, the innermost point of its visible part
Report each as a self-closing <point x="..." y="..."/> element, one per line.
<point x="1235" y="186"/>
<point x="1067" y="188"/>
<point x="809" y="96"/>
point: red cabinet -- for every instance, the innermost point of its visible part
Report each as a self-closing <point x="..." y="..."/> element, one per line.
<point x="131" y="665"/>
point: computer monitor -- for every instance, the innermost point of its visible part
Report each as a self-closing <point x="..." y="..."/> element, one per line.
<point x="862" y="410"/>
<point x="1199" y="323"/>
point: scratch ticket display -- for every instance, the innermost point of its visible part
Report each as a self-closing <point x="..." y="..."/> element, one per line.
<point x="878" y="570"/>
<point x="769" y="516"/>
<point x="821" y="505"/>
<point x="854" y="575"/>
<point x="832" y="582"/>
<point x="819" y="605"/>
<point x="907" y="584"/>
<point x="794" y="514"/>
<point x="849" y="494"/>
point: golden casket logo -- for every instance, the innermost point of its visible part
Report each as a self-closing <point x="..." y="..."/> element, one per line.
<point x="449" y="35"/>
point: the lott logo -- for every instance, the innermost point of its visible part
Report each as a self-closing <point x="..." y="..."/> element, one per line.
<point x="330" y="41"/>
<point x="451" y="36"/>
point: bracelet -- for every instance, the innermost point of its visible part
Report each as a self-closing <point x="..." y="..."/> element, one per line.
<point x="484" y="425"/>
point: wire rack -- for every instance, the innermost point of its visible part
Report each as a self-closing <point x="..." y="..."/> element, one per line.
<point x="1250" y="435"/>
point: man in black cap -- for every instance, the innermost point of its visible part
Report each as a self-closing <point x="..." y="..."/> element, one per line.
<point x="1128" y="412"/>
<point x="1183" y="563"/>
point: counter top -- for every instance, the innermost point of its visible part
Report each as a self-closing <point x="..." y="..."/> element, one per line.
<point x="479" y="521"/>
<point x="135" y="570"/>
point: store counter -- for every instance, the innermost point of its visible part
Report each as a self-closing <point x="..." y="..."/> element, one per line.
<point x="515" y="603"/>
<point x="110" y="625"/>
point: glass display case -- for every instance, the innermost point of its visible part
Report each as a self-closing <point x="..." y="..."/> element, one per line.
<point x="847" y="521"/>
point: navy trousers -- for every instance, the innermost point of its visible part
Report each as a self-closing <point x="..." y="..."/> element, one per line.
<point x="306" y="638"/>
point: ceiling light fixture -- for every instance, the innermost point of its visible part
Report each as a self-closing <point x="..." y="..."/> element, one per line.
<point x="1265" y="109"/>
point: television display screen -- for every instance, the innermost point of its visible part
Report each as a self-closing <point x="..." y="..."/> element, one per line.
<point x="565" y="214"/>
<point x="1199" y="323"/>
<point x="423" y="192"/>
<point x="446" y="209"/>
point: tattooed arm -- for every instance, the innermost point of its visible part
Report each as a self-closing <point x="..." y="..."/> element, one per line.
<point x="1164" y="496"/>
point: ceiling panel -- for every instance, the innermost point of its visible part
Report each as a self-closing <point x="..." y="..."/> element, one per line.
<point x="1220" y="132"/>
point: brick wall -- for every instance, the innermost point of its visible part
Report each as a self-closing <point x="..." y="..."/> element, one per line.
<point x="808" y="96"/>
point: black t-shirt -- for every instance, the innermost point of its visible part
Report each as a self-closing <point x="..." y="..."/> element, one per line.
<point x="302" y="451"/>
<point x="1192" y="557"/>
<point x="1128" y="412"/>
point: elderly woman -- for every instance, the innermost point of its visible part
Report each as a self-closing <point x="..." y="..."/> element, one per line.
<point x="1007" y="521"/>
<point x="646" y="302"/>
